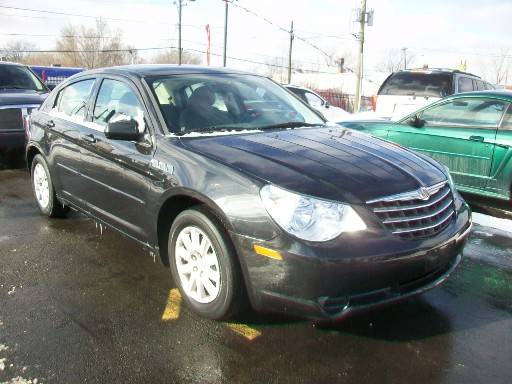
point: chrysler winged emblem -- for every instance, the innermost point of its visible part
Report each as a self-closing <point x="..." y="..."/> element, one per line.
<point x="424" y="193"/>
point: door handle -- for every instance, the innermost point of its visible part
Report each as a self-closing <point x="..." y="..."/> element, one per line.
<point x="50" y="124"/>
<point x="476" y="138"/>
<point x="89" y="138"/>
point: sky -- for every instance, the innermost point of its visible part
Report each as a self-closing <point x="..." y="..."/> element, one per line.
<point x="437" y="33"/>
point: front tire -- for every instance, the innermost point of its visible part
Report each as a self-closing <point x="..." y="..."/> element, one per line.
<point x="44" y="190"/>
<point x="204" y="265"/>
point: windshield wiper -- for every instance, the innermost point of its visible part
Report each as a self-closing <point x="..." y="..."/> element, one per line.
<point x="291" y="124"/>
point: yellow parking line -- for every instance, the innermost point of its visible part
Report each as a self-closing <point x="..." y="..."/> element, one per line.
<point x="173" y="308"/>
<point x="244" y="330"/>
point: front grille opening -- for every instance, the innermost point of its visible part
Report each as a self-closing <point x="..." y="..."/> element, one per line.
<point x="415" y="218"/>
<point x="11" y="118"/>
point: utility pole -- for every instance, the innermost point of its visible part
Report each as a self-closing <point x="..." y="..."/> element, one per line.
<point x="179" y="30"/>
<point x="179" y="4"/>
<point x="225" y="35"/>
<point x="290" y="55"/>
<point x="359" y="69"/>
<point x="404" y="54"/>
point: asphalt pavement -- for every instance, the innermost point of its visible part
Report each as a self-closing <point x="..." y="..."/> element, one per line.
<point x="81" y="304"/>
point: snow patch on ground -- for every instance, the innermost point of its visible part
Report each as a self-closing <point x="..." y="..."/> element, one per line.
<point x="20" y="380"/>
<point x="3" y="347"/>
<point x="2" y="364"/>
<point x="493" y="222"/>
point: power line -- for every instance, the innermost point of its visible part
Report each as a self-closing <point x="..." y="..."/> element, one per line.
<point x="284" y="30"/>
<point x="163" y="48"/>
<point x="71" y="14"/>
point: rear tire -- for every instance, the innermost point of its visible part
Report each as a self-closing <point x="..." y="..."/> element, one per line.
<point x="43" y="189"/>
<point x="204" y="265"/>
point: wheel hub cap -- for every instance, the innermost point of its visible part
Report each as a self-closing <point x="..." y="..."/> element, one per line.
<point x="41" y="186"/>
<point x="197" y="265"/>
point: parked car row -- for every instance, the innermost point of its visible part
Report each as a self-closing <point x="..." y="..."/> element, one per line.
<point x="470" y="133"/>
<point x="405" y="91"/>
<point x="21" y="91"/>
<point x="245" y="192"/>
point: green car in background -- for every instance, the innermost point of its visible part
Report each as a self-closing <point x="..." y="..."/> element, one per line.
<point x="470" y="133"/>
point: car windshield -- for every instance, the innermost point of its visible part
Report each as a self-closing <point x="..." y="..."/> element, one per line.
<point x="417" y="84"/>
<point x="19" y="77"/>
<point x="227" y="102"/>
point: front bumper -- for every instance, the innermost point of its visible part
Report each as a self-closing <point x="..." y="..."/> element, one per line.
<point x="332" y="280"/>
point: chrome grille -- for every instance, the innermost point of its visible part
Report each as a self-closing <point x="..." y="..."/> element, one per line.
<point x="417" y="214"/>
<point x="11" y="116"/>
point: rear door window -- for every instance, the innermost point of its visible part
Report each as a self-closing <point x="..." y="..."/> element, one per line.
<point x="72" y="100"/>
<point x="418" y="84"/>
<point x="465" y="84"/>
<point x="481" y="113"/>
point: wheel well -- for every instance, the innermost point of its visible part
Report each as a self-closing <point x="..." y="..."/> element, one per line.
<point x="168" y="212"/>
<point x="31" y="153"/>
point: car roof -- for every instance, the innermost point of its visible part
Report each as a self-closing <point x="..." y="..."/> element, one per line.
<point x="143" y="70"/>
<point x="499" y="93"/>
<point x="298" y="87"/>
<point x="438" y="70"/>
<point x="12" y="63"/>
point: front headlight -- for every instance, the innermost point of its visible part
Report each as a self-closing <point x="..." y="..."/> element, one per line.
<point x="309" y="218"/>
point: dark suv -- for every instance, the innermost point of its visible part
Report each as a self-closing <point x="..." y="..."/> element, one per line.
<point x="244" y="192"/>
<point x="21" y="91"/>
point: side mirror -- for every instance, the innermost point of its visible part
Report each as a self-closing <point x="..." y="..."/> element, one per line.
<point x="51" y="87"/>
<point x="127" y="130"/>
<point x="416" y="122"/>
<point x="327" y="105"/>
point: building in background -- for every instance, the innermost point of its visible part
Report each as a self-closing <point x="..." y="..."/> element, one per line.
<point x="51" y="76"/>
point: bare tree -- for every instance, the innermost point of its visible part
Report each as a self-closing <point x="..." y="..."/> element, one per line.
<point x="394" y="60"/>
<point x="170" y="56"/>
<point x="93" y="47"/>
<point x="277" y="68"/>
<point x="16" y="51"/>
<point x="500" y="66"/>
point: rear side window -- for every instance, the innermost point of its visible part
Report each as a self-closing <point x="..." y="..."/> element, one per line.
<point x="418" y="84"/>
<point x="73" y="99"/>
<point x="465" y="84"/>
<point x="299" y="93"/>
<point x="313" y="100"/>
<point x="481" y="113"/>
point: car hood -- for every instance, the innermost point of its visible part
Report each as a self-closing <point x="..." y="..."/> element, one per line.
<point x="332" y="163"/>
<point x="19" y="96"/>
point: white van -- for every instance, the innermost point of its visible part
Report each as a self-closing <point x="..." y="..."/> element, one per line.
<point x="405" y="91"/>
